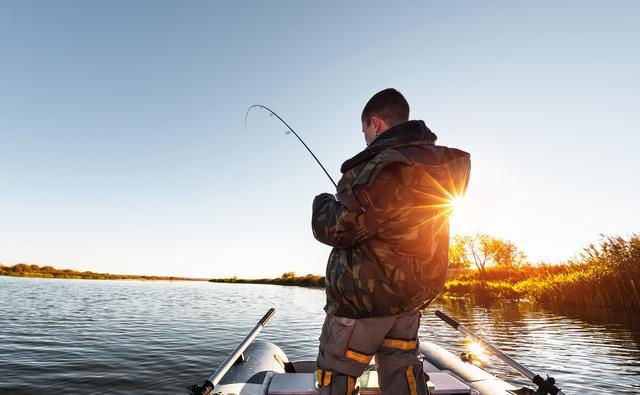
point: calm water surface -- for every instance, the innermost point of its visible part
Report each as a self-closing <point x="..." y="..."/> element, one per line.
<point x="123" y="337"/>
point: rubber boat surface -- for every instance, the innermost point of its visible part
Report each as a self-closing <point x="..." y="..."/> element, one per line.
<point x="259" y="368"/>
<point x="263" y="369"/>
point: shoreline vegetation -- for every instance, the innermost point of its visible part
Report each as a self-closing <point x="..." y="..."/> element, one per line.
<point x="288" y="278"/>
<point x="483" y="269"/>
<point x="25" y="270"/>
<point x="486" y="269"/>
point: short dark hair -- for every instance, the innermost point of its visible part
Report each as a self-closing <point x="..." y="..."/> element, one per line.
<point x="388" y="104"/>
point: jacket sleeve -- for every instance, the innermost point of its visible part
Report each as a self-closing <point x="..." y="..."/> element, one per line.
<point x="398" y="200"/>
<point x="348" y="221"/>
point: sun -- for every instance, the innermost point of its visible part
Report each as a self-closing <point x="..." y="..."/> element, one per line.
<point x="457" y="212"/>
<point x="455" y="203"/>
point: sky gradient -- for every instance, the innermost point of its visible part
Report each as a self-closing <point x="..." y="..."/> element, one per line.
<point x="123" y="149"/>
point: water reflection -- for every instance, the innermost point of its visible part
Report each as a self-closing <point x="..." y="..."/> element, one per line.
<point x="117" y="337"/>
<point x="584" y="352"/>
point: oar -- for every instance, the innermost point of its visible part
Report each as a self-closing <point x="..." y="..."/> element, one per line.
<point x="547" y="385"/>
<point x="211" y="382"/>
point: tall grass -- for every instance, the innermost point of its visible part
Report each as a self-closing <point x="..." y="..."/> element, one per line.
<point x="605" y="275"/>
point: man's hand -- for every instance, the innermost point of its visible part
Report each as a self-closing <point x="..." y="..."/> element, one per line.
<point x="321" y="200"/>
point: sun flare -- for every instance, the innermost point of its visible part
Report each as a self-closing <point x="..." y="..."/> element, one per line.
<point x="477" y="354"/>
<point x="475" y="348"/>
<point x="455" y="203"/>
<point x="456" y="213"/>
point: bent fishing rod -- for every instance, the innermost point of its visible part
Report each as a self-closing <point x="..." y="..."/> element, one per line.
<point x="290" y="130"/>
<point x="545" y="386"/>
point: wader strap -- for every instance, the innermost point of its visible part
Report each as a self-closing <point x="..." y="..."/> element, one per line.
<point x="351" y="385"/>
<point x="411" y="380"/>
<point x="358" y="356"/>
<point x="323" y="377"/>
<point x="400" y="344"/>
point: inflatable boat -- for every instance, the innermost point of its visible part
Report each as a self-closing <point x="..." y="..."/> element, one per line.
<point x="261" y="368"/>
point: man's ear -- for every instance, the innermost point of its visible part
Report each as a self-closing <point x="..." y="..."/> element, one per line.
<point x="379" y="123"/>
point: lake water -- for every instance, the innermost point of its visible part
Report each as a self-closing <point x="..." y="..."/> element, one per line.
<point x="143" y="337"/>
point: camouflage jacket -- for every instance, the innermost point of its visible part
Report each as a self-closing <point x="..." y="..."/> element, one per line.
<point x="389" y="225"/>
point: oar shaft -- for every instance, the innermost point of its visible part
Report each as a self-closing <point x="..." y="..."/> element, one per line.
<point x="494" y="350"/>
<point x="499" y="353"/>
<point x="230" y="360"/>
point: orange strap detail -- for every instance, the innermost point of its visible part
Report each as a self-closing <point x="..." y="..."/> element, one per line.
<point x="356" y="356"/>
<point x="327" y="378"/>
<point x="411" y="380"/>
<point x="351" y="385"/>
<point x="323" y="377"/>
<point x="400" y="344"/>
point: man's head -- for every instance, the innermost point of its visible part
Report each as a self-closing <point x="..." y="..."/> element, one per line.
<point x="385" y="109"/>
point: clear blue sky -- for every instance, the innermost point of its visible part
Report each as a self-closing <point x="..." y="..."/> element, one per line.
<point x="123" y="149"/>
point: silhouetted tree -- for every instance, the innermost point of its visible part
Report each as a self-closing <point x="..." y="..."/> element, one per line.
<point x="482" y="250"/>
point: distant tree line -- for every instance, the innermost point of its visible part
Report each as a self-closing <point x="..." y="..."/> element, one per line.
<point x="27" y="270"/>
<point x="288" y="278"/>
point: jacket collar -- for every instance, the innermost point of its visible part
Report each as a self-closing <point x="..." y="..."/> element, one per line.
<point x="402" y="134"/>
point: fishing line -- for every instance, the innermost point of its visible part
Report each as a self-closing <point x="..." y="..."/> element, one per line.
<point x="288" y="132"/>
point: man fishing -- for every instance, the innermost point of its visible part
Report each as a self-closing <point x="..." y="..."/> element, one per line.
<point x="389" y="228"/>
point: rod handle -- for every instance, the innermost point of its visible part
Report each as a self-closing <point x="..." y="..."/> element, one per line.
<point x="447" y="319"/>
<point x="267" y="317"/>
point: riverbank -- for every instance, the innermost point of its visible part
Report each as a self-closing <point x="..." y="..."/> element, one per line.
<point x="604" y="276"/>
<point x="24" y="270"/>
<point x="289" y="278"/>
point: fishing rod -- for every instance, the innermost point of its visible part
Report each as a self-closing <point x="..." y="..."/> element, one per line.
<point x="288" y="132"/>
<point x="545" y="386"/>
<point x="213" y="380"/>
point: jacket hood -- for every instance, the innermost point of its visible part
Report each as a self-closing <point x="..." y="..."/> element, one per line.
<point x="403" y="134"/>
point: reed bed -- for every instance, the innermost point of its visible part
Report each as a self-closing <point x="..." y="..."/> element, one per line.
<point x="604" y="275"/>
